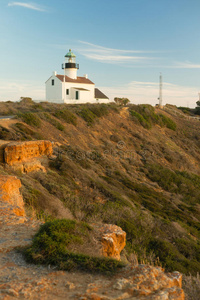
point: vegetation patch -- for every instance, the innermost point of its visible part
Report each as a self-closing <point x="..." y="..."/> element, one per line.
<point x="67" y="116"/>
<point x="146" y="116"/>
<point x="47" y="117"/>
<point x="26" y="133"/>
<point x="87" y="115"/>
<point x="178" y="256"/>
<point x="183" y="183"/>
<point x="31" y="119"/>
<point x="100" y="110"/>
<point x="55" y="242"/>
<point x="4" y="133"/>
<point x="90" y="112"/>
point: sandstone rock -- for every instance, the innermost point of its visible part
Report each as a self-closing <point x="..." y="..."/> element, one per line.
<point x="28" y="156"/>
<point x="112" y="239"/>
<point x="29" y="166"/>
<point x="17" y="152"/>
<point x="142" y="282"/>
<point x="9" y="192"/>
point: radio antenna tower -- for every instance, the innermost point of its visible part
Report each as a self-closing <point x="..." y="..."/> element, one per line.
<point x="160" y="92"/>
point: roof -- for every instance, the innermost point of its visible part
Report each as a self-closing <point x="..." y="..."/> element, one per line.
<point x="78" y="80"/>
<point x="99" y="94"/>
<point x="80" y="89"/>
<point x="70" y="54"/>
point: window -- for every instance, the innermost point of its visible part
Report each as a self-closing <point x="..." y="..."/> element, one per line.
<point x="77" y="95"/>
<point x="67" y="91"/>
<point x="52" y="82"/>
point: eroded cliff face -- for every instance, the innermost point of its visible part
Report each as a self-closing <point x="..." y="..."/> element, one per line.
<point x="27" y="156"/>
<point x="11" y="201"/>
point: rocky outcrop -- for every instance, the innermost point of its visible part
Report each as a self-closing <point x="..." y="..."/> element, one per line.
<point x="27" y="156"/>
<point x="16" y="152"/>
<point x="11" y="200"/>
<point x="143" y="282"/>
<point x="112" y="240"/>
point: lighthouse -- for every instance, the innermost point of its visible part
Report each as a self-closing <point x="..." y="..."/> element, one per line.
<point x="70" y="66"/>
<point x="69" y="88"/>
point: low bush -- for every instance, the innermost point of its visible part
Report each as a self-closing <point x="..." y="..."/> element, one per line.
<point x="165" y="121"/>
<point x="4" y="133"/>
<point x="25" y="133"/>
<point x="183" y="183"/>
<point x="47" y="117"/>
<point x="87" y="115"/>
<point x="31" y="119"/>
<point x="54" y="244"/>
<point x="146" y="116"/>
<point x="99" y="110"/>
<point x="66" y="115"/>
<point x="172" y="257"/>
<point x="140" y="119"/>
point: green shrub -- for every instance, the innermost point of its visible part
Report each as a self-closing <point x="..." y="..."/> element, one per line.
<point x="188" y="248"/>
<point x="31" y="119"/>
<point x="4" y="133"/>
<point x="87" y="115"/>
<point x="99" y="110"/>
<point x="67" y="116"/>
<point x="184" y="183"/>
<point x="27" y="133"/>
<point x="141" y="119"/>
<point x="146" y="116"/>
<point x="173" y="259"/>
<point x="47" y="117"/>
<point x="54" y="244"/>
<point x="165" y="121"/>
<point x="24" y="128"/>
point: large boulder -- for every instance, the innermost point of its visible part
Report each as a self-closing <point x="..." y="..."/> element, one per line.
<point x="111" y="238"/>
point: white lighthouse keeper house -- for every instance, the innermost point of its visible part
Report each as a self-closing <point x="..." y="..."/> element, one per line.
<point x="70" y="88"/>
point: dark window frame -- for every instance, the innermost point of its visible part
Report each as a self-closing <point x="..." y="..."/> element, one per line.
<point x="67" y="91"/>
<point x="52" y="82"/>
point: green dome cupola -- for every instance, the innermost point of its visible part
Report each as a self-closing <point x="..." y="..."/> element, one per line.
<point x="70" y="54"/>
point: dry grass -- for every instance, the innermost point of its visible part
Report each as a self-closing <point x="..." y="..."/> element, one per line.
<point x="191" y="287"/>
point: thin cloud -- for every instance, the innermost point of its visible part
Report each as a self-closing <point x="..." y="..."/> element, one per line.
<point x="110" y="55"/>
<point x="186" y="65"/>
<point x="115" y="58"/>
<point x="32" y="6"/>
<point x="105" y="49"/>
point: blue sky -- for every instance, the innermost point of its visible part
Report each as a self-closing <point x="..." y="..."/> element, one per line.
<point x="122" y="46"/>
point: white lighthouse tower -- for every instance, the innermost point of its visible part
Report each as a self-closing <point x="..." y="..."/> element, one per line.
<point x="70" y="66"/>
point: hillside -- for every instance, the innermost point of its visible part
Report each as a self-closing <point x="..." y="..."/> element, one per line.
<point x="134" y="166"/>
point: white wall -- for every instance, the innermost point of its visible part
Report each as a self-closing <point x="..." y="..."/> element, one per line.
<point x="84" y="96"/>
<point x="54" y="92"/>
<point x="71" y="72"/>
<point x="57" y="93"/>
<point x="103" y="101"/>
